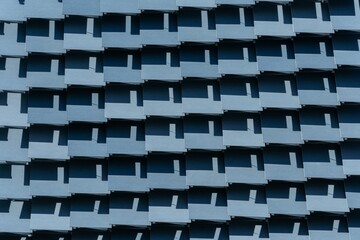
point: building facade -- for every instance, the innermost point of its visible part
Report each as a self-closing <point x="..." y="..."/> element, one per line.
<point x="179" y="119"/>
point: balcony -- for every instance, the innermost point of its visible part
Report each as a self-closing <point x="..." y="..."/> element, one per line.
<point x="244" y="166"/>
<point x="169" y="232"/>
<point x="45" y="235"/>
<point x="353" y="221"/>
<point x="85" y="105"/>
<point x="347" y="87"/>
<point x="352" y="191"/>
<point x="160" y="64"/>
<point x="311" y="17"/>
<point x="281" y="127"/>
<point x="122" y="67"/>
<point x="166" y="172"/>
<point x="316" y="53"/>
<point x="12" y="39"/>
<point x="49" y="179"/>
<point x="345" y="14"/>
<point x="201" y="97"/>
<point x="248" y="229"/>
<point x="203" y="133"/>
<point x="195" y="25"/>
<point x="47" y="107"/>
<point x="278" y="1"/>
<point x="240" y="94"/>
<point x="124" y="102"/>
<point x="247" y="201"/>
<point x="129" y="209"/>
<point x="87" y="141"/>
<point x="275" y="56"/>
<point x="273" y="20"/>
<point x="233" y="22"/>
<point x="15" y="216"/>
<point x="286" y="199"/>
<point x="81" y="7"/>
<point x="13" y="107"/>
<point x="119" y="31"/>
<point x="123" y="6"/>
<point x="164" y="135"/>
<point x="158" y="28"/>
<point x="81" y="33"/>
<point x="158" y="5"/>
<point x="196" y="4"/>
<point x="13" y="11"/>
<point x="47" y="142"/>
<point x="14" y="181"/>
<point x="88" y="177"/>
<point x="168" y="206"/>
<point x="208" y="204"/>
<point x="127" y="174"/>
<point x="236" y="59"/>
<point x="325" y="227"/>
<point x="91" y="234"/>
<point x="208" y="231"/>
<point x="235" y="2"/>
<point x="326" y="196"/>
<point x="349" y="121"/>
<point x="51" y="9"/>
<point x="126" y="138"/>
<point x="242" y="130"/>
<point x="278" y="91"/>
<point x="14" y="144"/>
<point x="84" y="69"/>
<point x="89" y="212"/>
<point x="350" y="154"/>
<point x="317" y="88"/>
<point x="205" y="169"/>
<point x="282" y="228"/>
<point x="346" y="49"/>
<point x="45" y="72"/>
<point x="50" y="214"/>
<point x="199" y="62"/>
<point x="14" y="70"/>
<point x="45" y="36"/>
<point x="162" y="99"/>
<point x="319" y="124"/>
<point x="130" y="234"/>
<point x="284" y="164"/>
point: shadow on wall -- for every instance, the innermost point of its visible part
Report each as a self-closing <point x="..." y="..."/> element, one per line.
<point x="120" y="59"/>
<point x="45" y="134"/>
<point x="200" y="125"/>
<point x="123" y="94"/>
<point x="85" y="133"/>
<point x="87" y="204"/>
<point x="127" y="167"/>
<point x="248" y="228"/>
<point x="161" y="127"/>
<point x="85" y="97"/>
<point x="165" y="199"/>
<point x="197" y="54"/>
<point x="231" y="16"/>
<point x="48" y="206"/>
<point x="342" y="8"/>
<point x="126" y="201"/>
<point x="78" y="25"/>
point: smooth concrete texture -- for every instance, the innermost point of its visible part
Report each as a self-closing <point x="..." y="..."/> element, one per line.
<point x="179" y="119"/>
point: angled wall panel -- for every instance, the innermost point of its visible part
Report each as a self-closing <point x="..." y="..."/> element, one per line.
<point x="179" y="119"/>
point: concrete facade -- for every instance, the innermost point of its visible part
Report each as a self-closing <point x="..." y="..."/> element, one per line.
<point x="179" y="119"/>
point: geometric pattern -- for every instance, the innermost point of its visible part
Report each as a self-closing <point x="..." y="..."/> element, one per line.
<point x="179" y="119"/>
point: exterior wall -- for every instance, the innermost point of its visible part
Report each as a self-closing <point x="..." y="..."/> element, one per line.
<point x="179" y="119"/>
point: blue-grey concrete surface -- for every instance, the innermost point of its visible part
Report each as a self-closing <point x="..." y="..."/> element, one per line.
<point x="179" y="119"/>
